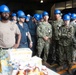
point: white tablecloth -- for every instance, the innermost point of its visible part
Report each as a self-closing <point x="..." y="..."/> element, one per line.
<point x="50" y="72"/>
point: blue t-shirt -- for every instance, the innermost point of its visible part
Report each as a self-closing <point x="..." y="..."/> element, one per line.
<point x="23" y="31"/>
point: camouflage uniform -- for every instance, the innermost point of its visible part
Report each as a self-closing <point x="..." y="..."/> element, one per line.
<point x="65" y="45"/>
<point x="73" y="23"/>
<point x="43" y="30"/>
<point x="55" y="52"/>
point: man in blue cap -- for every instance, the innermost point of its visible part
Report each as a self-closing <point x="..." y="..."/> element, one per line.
<point x="44" y="34"/>
<point x="32" y="24"/>
<point x="14" y="17"/>
<point x="27" y="19"/>
<point x="66" y="43"/>
<point x="8" y="30"/>
<point x="56" y="24"/>
<point x="25" y="34"/>
<point x="73" y="23"/>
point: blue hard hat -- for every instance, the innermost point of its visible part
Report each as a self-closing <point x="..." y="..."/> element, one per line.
<point x="69" y="14"/>
<point x="45" y="13"/>
<point x="13" y="14"/>
<point x="37" y="16"/>
<point x="57" y="11"/>
<point x="4" y="8"/>
<point x="66" y="17"/>
<point x="41" y="16"/>
<point x="27" y="18"/>
<point x="73" y="16"/>
<point x="21" y="14"/>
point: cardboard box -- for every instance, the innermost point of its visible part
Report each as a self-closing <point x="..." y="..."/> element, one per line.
<point x="37" y="60"/>
<point x="20" y="54"/>
<point x="0" y="67"/>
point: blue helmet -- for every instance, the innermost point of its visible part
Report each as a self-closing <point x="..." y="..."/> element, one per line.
<point x="73" y="16"/>
<point x="41" y="16"/>
<point x="45" y="13"/>
<point x="37" y="16"/>
<point x="69" y="14"/>
<point x="66" y="17"/>
<point x="4" y="8"/>
<point x="13" y="14"/>
<point x="57" y="11"/>
<point x="21" y="14"/>
<point x="27" y="18"/>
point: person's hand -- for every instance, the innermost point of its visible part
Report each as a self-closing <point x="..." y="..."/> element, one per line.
<point x="31" y="44"/>
<point x="45" y="38"/>
<point x="16" y="46"/>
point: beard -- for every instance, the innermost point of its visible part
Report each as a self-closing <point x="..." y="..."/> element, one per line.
<point x="5" y="17"/>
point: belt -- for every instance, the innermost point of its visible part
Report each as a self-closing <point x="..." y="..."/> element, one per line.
<point x="23" y="42"/>
<point x="4" y="48"/>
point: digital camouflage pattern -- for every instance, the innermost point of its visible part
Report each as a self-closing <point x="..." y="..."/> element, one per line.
<point x="55" y="41"/>
<point x="65" y="44"/>
<point x="73" y="23"/>
<point x="44" y="29"/>
<point x="56" y="25"/>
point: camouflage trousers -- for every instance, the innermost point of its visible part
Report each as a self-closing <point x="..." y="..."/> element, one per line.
<point x="65" y="55"/>
<point x="55" y="54"/>
<point x="43" y="46"/>
<point x="74" y="52"/>
<point x="74" y="55"/>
